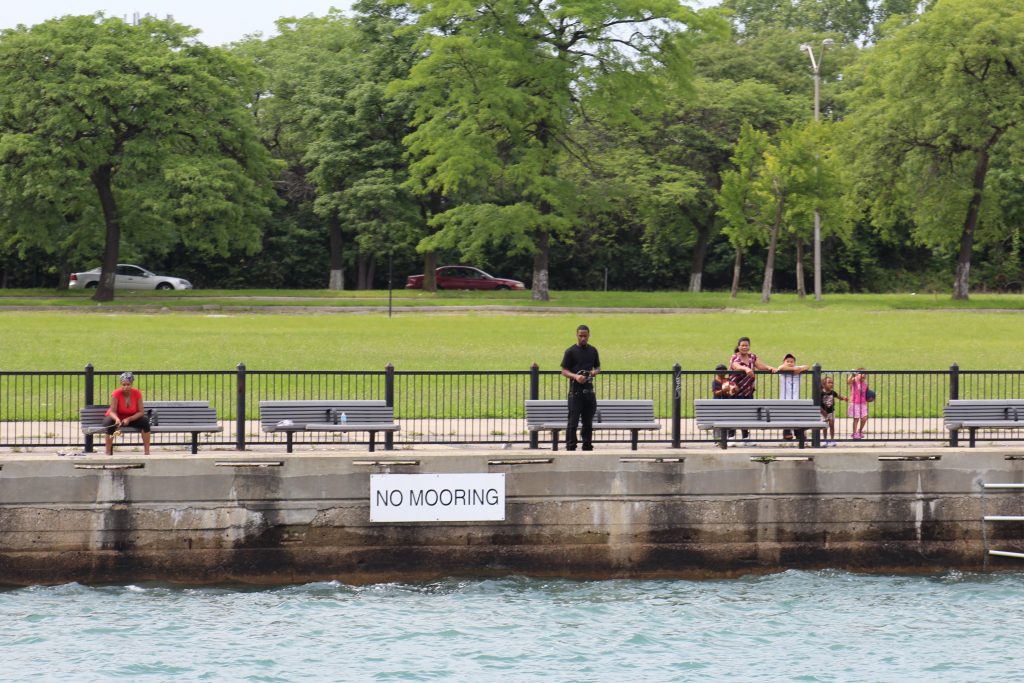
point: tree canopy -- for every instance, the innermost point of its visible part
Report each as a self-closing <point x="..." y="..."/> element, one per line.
<point x="576" y="144"/>
<point x="497" y="93"/>
<point x="136" y="128"/>
<point x="938" y="104"/>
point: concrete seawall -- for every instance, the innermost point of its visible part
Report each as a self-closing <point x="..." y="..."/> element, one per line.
<point x="276" y="518"/>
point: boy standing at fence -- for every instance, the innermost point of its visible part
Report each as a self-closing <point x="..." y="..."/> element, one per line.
<point x="580" y="364"/>
<point x="789" y="384"/>
<point x="723" y="387"/>
<point x="829" y="396"/>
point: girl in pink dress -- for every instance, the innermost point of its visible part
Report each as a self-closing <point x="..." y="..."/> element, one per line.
<point x="857" y="408"/>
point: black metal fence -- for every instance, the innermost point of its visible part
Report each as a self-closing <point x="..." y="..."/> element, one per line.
<point x="41" y="409"/>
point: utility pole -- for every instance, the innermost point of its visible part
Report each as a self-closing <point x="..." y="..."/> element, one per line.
<point x="816" y="67"/>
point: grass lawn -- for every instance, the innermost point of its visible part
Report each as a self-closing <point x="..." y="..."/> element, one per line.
<point x="250" y="299"/>
<point x="841" y="333"/>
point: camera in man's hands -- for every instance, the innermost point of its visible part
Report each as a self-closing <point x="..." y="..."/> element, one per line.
<point x="587" y="374"/>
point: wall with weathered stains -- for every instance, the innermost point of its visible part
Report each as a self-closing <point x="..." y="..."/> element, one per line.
<point x="275" y="518"/>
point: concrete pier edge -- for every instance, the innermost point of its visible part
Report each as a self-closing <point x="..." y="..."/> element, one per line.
<point x="267" y="517"/>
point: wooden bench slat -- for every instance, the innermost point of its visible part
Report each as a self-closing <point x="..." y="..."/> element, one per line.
<point x="172" y="417"/>
<point x="974" y="414"/>
<point x="369" y="416"/>
<point x="630" y="415"/>
<point x="723" y="415"/>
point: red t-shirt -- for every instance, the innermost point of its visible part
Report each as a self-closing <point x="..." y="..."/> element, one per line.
<point x="126" y="409"/>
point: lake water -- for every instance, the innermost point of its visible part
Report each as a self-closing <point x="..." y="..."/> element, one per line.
<point x="803" y="626"/>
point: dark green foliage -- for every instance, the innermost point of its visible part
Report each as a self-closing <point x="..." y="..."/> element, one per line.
<point x="113" y="134"/>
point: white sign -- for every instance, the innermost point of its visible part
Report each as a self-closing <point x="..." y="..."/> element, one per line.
<point x="437" y="497"/>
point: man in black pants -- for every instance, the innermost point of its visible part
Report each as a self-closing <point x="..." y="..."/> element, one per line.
<point x="580" y="365"/>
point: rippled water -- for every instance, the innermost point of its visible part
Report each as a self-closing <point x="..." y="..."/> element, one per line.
<point x="804" y="626"/>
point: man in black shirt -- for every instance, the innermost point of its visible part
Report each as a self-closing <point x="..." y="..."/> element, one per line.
<point x="580" y="365"/>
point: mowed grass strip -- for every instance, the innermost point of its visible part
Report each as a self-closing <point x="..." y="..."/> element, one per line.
<point x="270" y="299"/>
<point x="836" y="337"/>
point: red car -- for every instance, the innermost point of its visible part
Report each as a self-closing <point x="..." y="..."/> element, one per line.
<point x="464" y="277"/>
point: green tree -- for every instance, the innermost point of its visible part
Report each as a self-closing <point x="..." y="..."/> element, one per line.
<point x="497" y="92"/>
<point x="140" y="123"/>
<point x="775" y="189"/>
<point x="357" y="156"/>
<point x="853" y="19"/>
<point x="939" y="102"/>
<point x="740" y="207"/>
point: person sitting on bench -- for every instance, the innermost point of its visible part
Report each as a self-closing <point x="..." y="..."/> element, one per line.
<point x="126" y="409"/>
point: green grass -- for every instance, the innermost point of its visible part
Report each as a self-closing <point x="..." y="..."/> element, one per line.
<point x="837" y="336"/>
<point x="257" y="299"/>
<point x="877" y="332"/>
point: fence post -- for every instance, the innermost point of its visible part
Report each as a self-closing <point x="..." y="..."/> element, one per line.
<point x="89" y="396"/>
<point x="240" y="408"/>
<point x="389" y="399"/>
<point x="677" y="405"/>
<point x="534" y="395"/>
<point x="954" y="394"/>
<point x="816" y="397"/>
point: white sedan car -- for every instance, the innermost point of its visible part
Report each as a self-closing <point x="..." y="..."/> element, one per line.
<point x="128" y="277"/>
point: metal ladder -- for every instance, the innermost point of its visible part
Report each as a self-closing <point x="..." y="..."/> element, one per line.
<point x="1000" y="518"/>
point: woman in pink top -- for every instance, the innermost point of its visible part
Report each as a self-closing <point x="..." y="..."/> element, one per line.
<point x="126" y="408"/>
<point x="857" y="408"/>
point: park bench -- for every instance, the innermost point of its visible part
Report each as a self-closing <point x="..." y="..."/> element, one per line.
<point x="973" y="415"/>
<point x="631" y="415"/>
<point x="290" y="417"/>
<point x="723" y="415"/>
<point x="165" y="417"/>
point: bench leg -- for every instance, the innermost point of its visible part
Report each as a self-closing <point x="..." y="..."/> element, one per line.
<point x="554" y="439"/>
<point x="954" y="437"/>
<point x="373" y="440"/>
<point x="800" y="437"/>
<point x="971" y="431"/>
<point x="195" y="442"/>
<point x="724" y="443"/>
<point x="289" y="434"/>
<point x="635" y="440"/>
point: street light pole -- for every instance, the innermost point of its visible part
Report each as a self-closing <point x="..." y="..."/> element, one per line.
<point x="816" y="67"/>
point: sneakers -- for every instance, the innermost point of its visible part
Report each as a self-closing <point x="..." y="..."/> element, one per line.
<point x="858" y="435"/>
<point x="832" y="444"/>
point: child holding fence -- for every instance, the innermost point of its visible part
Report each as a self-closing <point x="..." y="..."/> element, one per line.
<point x="860" y="395"/>
<point x="829" y="396"/>
<point x="789" y="385"/>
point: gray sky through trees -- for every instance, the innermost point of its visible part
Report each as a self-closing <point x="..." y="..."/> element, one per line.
<point x="220" y="22"/>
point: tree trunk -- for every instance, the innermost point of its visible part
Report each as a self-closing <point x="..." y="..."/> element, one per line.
<point x="736" y="264"/>
<point x="540" y="290"/>
<point x="961" y="283"/>
<point x="769" y="264"/>
<point x="801" y="287"/>
<point x="365" y="272"/>
<point x="102" y="179"/>
<point x="429" y="271"/>
<point x="337" y="276"/>
<point x="700" y="252"/>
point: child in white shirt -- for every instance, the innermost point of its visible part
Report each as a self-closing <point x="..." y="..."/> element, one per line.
<point x="789" y="384"/>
